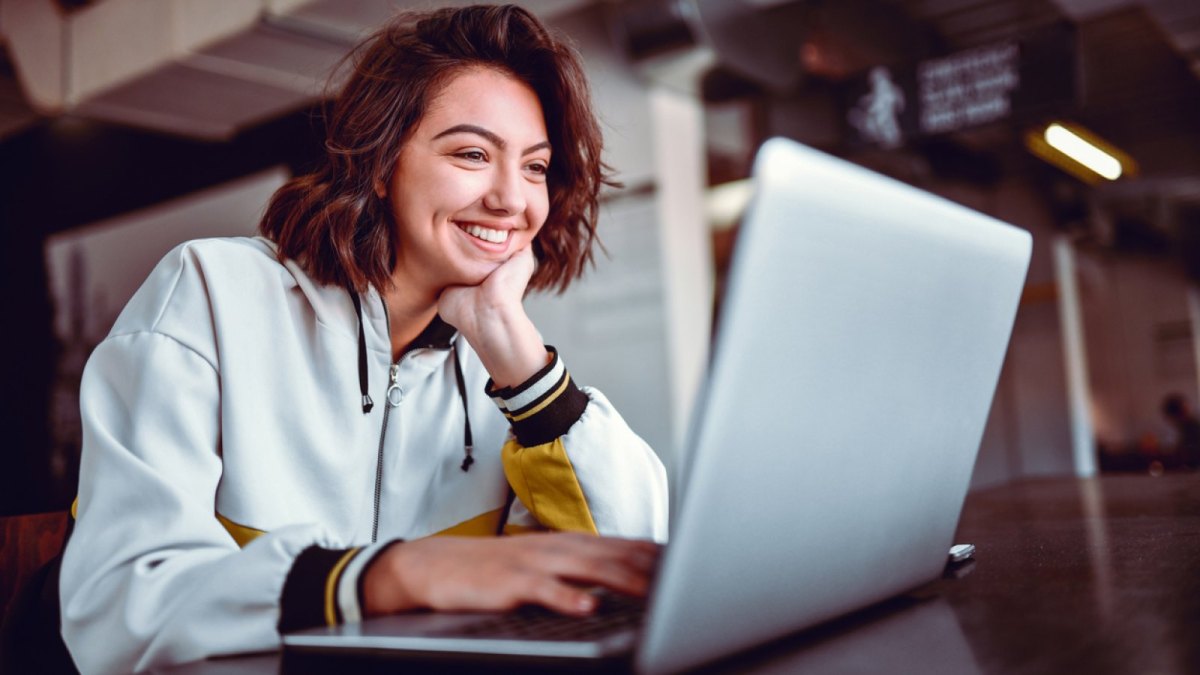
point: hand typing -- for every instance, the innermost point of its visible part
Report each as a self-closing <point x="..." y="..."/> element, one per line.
<point x="495" y="574"/>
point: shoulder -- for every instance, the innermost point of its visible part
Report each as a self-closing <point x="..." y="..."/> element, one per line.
<point x="207" y="288"/>
<point x="247" y="256"/>
<point x="203" y="257"/>
<point x="191" y="276"/>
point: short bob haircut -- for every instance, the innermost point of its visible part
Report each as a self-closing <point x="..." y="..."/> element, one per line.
<point x="334" y="224"/>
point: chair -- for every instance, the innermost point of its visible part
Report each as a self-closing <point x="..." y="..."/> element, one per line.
<point x="29" y="555"/>
<point x="27" y="543"/>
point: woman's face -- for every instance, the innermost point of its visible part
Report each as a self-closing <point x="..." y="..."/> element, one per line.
<point x="469" y="189"/>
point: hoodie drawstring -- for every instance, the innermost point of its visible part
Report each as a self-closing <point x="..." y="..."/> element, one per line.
<point x="468" y="446"/>
<point x="368" y="404"/>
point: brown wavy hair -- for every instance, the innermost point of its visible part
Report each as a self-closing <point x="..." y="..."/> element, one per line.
<point x="334" y="224"/>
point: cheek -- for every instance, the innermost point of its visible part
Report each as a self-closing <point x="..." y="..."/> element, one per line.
<point x="538" y="208"/>
<point x="439" y="192"/>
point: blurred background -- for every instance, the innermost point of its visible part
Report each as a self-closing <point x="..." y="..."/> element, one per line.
<point x="128" y="126"/>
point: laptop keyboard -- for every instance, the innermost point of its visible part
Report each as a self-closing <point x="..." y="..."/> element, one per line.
<point x="613" y="614"/>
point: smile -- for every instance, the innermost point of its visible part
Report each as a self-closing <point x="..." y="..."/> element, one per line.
<point x="485" y="233"/>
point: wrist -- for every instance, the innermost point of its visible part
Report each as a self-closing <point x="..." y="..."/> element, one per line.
<point x="509" y="346"/>
<point x="545" y="406"/>
<point x="384" y="587"/>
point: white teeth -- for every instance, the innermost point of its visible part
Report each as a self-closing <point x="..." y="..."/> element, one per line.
<point x="486" y="234"/>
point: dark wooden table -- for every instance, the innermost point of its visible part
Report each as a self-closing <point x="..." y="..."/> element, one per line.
<point x="1070" y="576"/>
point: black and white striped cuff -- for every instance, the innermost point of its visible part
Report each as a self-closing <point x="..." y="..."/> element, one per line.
<point x="350" y="586"/>
<point x="310" y="592"/>
<point x="324" y="586"/>
<point x="543" y="407"/>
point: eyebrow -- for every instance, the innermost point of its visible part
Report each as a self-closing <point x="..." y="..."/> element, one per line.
<point x="490" y="136"/>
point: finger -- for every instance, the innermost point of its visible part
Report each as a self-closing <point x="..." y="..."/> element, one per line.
<point x="560" y="596"/>
<point x="615" y="576"/>
<point x="584" y="539"/>
<point x="621" y="569"/>
<point x="522" y="262"/>
<point x="641" y="554"/>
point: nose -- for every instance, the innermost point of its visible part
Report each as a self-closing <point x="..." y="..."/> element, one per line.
<point x="506" y="194"/>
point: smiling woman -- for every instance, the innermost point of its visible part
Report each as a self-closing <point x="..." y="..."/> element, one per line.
<point x="238" y="477"/>
<point x="398" y="76"/>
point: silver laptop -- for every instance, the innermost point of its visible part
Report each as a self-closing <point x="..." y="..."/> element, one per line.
<point x="864" y="329"/>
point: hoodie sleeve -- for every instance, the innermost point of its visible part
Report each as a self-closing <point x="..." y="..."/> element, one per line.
<point x="150" y="576"/>
<point x="573" y="462"/>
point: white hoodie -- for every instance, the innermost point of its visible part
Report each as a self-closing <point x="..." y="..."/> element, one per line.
<point x="230" y="478"/>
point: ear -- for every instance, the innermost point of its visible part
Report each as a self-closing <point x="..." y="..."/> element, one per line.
<point x="382" y="193"/>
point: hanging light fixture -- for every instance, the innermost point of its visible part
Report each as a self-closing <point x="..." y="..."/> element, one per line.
<point x="1079" y="152"/>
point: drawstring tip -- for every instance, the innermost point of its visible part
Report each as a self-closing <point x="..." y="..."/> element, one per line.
<point x="367" y="404"/>
<point x="468" y="460"/>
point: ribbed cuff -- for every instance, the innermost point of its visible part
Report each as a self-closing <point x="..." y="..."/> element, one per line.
<point x="543" y="407"/>
<point x="310" y="592"/>
<point x="350" y="586"/>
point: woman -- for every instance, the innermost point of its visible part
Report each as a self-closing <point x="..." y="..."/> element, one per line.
<point x="275" y="426"/>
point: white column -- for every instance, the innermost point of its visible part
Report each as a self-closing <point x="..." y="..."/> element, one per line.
<point x="680" y="172"/>
<point x="1083" y="439"/>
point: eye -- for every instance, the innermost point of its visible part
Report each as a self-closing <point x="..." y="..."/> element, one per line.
<point x="472" y="155"/>
<point x="539" y="168"/>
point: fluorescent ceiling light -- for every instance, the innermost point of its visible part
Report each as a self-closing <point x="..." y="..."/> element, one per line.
<point x="1074" y="146"/>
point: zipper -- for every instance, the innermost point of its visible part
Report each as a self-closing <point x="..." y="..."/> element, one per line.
<point x="393" y="375"/>
<point x="393" y="398"/>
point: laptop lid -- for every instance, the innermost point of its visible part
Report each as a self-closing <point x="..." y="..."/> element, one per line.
<point x="865" y="325"/>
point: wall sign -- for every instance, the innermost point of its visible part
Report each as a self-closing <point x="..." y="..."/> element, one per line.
<point x="887" y="107"/>
<point x="967" y="89"/>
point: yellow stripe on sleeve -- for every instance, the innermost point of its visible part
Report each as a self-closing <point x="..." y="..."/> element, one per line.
<point x="515" y="530"/>
<point x="331" y="583"/>
<point x="241" y="534"/>
<point x="482" y="525"/>
<point x="545" y="482"/>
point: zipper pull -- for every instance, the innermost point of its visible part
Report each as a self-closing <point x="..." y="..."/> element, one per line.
<point x="394" y="393"/>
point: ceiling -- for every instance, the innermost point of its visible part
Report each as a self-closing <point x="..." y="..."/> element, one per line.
<point x="1139" y="76"/>
<point x="197" y="68"/>
<point x="1139" y="62"/>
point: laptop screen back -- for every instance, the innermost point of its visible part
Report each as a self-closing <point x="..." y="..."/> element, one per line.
<point x="860" y="345"/>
